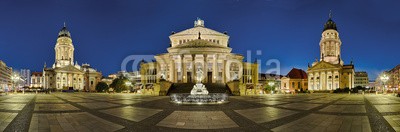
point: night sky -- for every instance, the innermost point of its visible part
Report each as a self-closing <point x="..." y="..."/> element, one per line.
<point x="105" y="32"/>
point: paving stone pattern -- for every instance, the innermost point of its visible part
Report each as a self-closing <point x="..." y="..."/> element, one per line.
<point x="98" y="112"/>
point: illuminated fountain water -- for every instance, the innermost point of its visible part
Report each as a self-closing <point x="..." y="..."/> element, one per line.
<point x="199" y="94"/>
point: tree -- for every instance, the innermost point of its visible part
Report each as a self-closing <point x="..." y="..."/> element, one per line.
<point x="101" y="87"/>
<point x="119" y="84"/>
<point x="269" y="87"/>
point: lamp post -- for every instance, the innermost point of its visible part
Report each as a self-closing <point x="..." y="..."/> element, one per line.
<point x="384" y="78"/>
<point x="15" y="78"/>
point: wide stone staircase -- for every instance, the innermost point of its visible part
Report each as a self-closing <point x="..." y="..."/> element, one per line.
<point x="187" y="87"/>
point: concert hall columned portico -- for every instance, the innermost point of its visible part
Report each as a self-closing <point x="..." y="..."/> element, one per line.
<point x="180" y="63"/>
<point x="199" y="48"/>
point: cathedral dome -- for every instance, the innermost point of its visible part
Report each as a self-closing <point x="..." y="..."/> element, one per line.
<point x="64" y="32"/>
<point x="330" y="24"/>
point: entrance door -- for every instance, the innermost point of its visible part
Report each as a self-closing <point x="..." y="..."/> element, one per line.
<point x="189" y="77"/>
<point x="209" y="77"/>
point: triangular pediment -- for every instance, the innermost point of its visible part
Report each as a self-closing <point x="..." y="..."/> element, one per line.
<point x="324" y="65"/>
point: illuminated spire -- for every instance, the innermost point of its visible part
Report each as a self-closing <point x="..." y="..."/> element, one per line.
<point x="330" y="14"/>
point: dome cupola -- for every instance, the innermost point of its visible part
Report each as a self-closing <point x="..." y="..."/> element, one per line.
<point x="64" y="32"/>
<point x="330" y="24"/>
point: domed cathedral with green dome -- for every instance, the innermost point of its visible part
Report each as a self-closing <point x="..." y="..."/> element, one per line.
<point x="199" y="49"/>
<point x="330" y="72"/>
<point x="65" y="74"/>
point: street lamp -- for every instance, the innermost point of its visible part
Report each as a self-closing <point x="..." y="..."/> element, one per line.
<point x="15" y="78"/>
<point x="384" y="78"/>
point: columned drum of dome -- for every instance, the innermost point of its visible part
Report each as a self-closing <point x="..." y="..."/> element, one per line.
<point x="64" y="49"/>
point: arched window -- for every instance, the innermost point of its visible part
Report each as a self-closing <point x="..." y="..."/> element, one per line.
<point x="234" y="71"/>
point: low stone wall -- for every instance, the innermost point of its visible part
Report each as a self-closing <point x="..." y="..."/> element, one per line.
<point x="164" y="87"/>
<point x="234" y="86"/>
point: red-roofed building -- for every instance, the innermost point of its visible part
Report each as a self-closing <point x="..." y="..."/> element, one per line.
<point x="295" y="80"/>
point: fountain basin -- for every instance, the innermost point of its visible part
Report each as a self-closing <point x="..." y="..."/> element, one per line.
<point x="199" y="99"/>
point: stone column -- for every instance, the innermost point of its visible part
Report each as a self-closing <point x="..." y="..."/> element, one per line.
<point x="326" y="80"/>
<point x="62" y="81"/>
<point x="193" y="68"/>
<point x="349" y="76"/>
<point x="69" y="80"/>
<point x="44" y="80"/>
<point x="175" y="72"/>
<point x="214" y="72"/>
<point x="224" y="74"/>
<point x="171" y="70"/>
<point x="320" y="81"/>
<point x="352" y="79"/>
<point x="63" y="75"/>
<point x="315" y="80"/>
<point x="183" y="70"/>
<point x="205" y="68"/>
<point x="333" y="80"/>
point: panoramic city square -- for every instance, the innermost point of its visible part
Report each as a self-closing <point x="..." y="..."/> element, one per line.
<point x="130" y="112"/>
<point x="199" y="65"/>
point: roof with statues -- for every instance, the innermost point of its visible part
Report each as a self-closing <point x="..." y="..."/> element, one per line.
<point x="198" y="28"/>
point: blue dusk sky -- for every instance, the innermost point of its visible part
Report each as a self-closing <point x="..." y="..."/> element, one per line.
<point x="105" y="32"/>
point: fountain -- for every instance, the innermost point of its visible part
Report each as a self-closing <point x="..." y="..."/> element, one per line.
<point x="199" y="94"/>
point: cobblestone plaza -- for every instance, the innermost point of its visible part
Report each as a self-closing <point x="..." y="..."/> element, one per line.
<point x="129" y="112"/>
